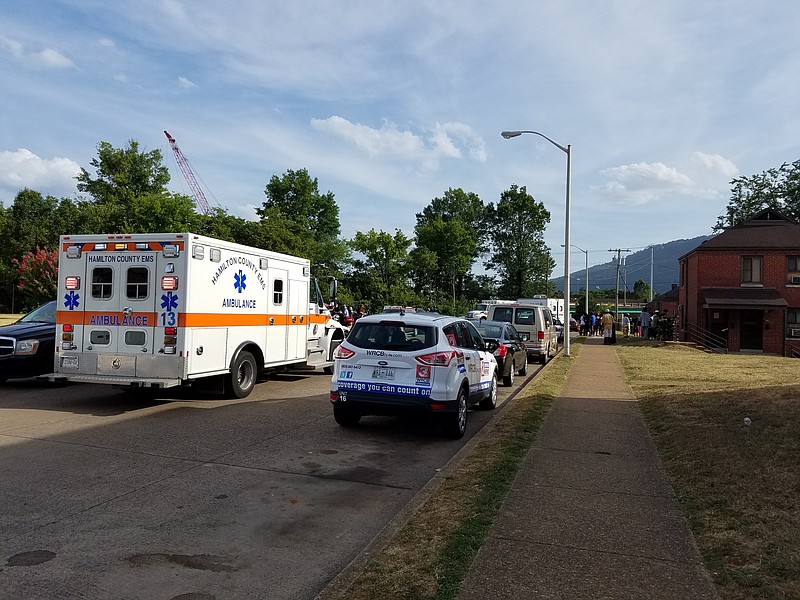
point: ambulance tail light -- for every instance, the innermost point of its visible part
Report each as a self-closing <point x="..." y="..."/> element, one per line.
<point x="170" y="340"/>
<point x="73" y="251"/>
<point x="67" y="336"/>
<point x="72" y="282"/>
<point x="169" y="283"/>
<point x="171" y="250"/>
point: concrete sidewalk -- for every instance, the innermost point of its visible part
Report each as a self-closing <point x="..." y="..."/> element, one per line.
<point x="591" y="513"/>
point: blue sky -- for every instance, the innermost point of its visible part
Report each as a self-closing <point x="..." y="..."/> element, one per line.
<point x="388" y="104"/>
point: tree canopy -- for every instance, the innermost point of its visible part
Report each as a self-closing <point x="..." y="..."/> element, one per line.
<point x="302" y="221"/>
<point x="777" y="188"/>
<point x="519" y="256"/>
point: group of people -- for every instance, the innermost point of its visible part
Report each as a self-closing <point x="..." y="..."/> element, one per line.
<point x="347" y="315"/>
<point x="597" y="324"/>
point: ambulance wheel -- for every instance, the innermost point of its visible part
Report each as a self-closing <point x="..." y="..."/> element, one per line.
<point x="243" y="375"/>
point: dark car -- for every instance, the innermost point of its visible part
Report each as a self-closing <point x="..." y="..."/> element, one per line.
<point x="27" y="347"/>
<point x="509" y="350"/>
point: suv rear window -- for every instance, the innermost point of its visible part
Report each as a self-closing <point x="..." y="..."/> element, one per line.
<point x="392" y="336"/>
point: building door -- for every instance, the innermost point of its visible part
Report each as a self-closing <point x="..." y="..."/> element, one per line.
<point x="718" y="327"/>
<point x="752" y="330"/>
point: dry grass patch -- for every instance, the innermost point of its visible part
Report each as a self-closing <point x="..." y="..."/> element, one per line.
<point x="430" y="557"/>
<point x="739" y="484"/>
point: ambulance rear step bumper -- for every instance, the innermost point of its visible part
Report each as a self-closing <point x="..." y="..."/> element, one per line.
<point x="109" y="380"/>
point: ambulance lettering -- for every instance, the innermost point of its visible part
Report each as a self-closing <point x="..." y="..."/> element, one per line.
<point x="114" y="320"/>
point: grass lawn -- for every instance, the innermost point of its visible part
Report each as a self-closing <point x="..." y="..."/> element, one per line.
<point x="727" y="428"/>
<point x="430" y="556"/>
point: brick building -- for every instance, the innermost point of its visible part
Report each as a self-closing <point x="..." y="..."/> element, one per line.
<point x="743" y="286"/>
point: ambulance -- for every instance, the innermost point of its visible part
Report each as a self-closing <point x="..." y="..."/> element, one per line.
<point x="166" y="309"/>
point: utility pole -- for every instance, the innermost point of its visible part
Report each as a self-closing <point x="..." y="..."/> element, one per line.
<point x="618" y="262"/>
<point x="652" y="248"/>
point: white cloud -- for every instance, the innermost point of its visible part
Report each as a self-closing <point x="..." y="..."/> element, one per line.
<point x="52" y="59"/>
<point x="715" y="164"/>
<point x="706" y="176"/>
<point x="24" y="169"/>
<point x="390" y="142"/>
<point x="47" y="58"/>
<point x="185" y="83"/>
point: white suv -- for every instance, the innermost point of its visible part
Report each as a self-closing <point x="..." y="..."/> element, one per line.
<point x="402" y="363"/>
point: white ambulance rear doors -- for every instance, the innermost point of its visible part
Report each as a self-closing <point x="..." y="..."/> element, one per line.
<point x="121" y="301"/>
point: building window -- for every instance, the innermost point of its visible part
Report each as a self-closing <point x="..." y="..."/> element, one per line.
<point x="793" y="270"/>
<point x="793" y="322"/>
<point x="751" y="269"/>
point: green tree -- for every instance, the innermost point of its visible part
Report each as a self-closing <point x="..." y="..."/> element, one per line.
<point x="381" y="276"/>
<point x="641" y="290"/>
<point x="305" y="221"/>
<point x="777" y="188"/>
<point x="128" y="193"/>
<point x="451" y="227"/>
<point x="519" y="256"/>
<point x="32" y="221"/>
<point x="124" y="174"/>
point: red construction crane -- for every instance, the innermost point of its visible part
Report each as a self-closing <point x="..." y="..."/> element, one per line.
<point x="197" y="193"/>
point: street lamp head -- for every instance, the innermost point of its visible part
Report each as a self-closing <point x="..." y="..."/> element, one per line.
<point x="510" y="134"/>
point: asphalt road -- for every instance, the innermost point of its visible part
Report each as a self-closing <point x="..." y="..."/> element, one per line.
<point x="108" y="495"/>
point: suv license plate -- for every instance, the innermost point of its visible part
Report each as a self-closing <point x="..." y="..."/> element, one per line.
<point x="69" y="362"/>
<point x="383" y="373"/>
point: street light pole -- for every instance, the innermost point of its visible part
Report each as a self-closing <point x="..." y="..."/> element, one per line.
<point x="568" y="150"/>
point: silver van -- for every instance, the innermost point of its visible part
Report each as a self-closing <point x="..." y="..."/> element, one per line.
<point x="535" y="326"/>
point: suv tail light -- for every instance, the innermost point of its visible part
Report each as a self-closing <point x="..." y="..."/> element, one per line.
<point x="501" y="351"/>
<point x="343" y="353"/>
<point x="438" y="359"/>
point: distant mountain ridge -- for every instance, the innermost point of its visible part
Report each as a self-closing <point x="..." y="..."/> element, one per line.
<point x="636" y="266"/>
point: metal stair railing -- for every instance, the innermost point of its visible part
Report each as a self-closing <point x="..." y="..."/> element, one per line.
<point x="710" y="341"/>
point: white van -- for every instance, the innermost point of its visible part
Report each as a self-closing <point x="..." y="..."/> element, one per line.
<point x="535" y="325"/>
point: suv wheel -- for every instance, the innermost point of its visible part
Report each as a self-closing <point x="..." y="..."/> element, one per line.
<point x="345" y="417"/>
<point x="456" y="423"/>
<point x="490" y="402"/>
